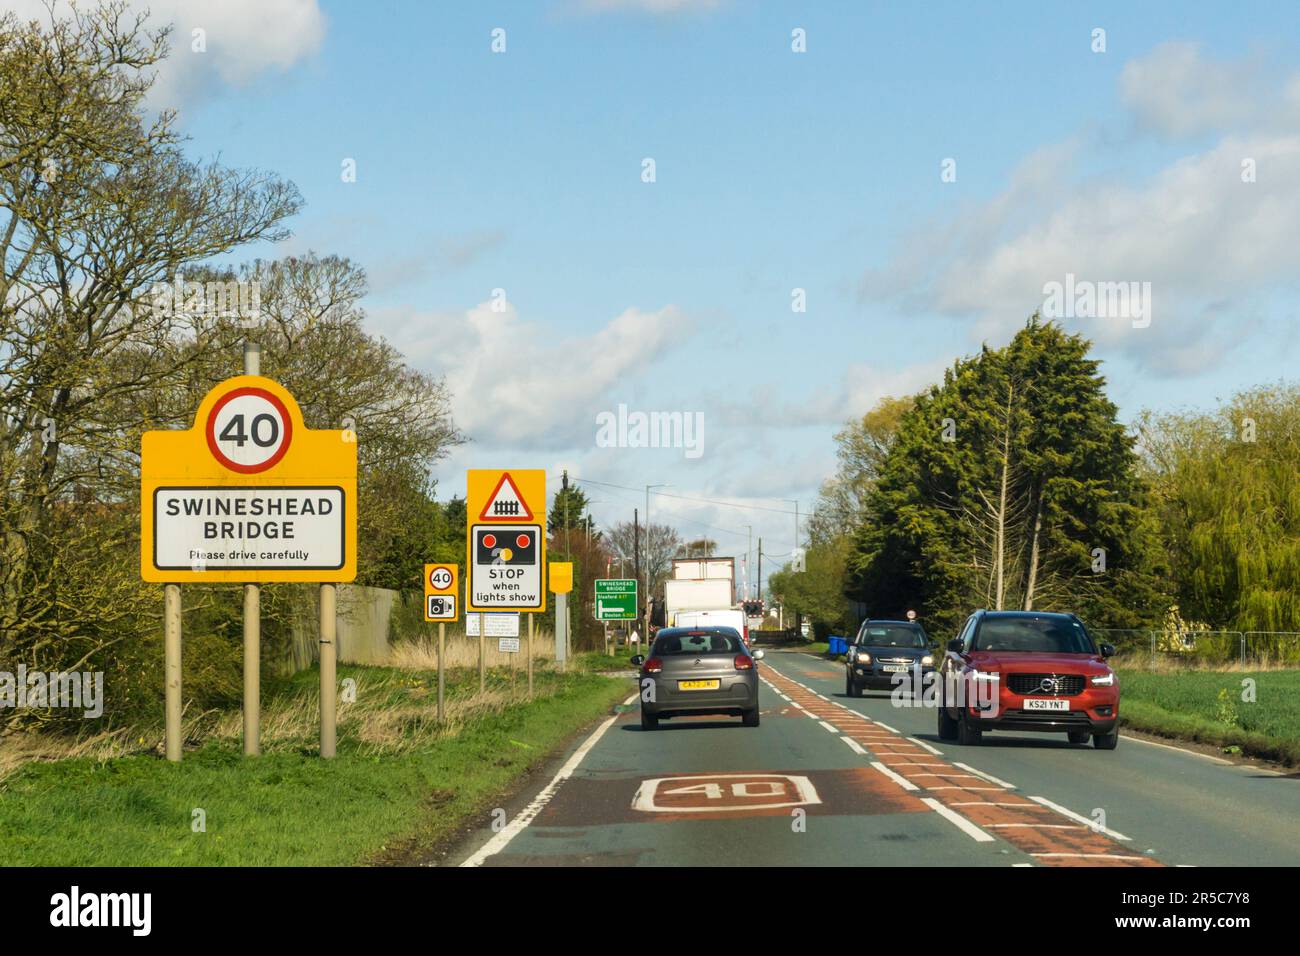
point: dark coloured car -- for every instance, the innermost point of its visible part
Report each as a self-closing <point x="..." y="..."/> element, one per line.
<point x="698" y="670"/>
<point x="1028" y="670"/>
<point x="882" y="649"/>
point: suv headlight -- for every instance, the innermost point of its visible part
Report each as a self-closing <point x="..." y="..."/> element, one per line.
<point x="984" y="675"/>
<point x="927" y="660"/>
<point x="861" y="657"/>
<point x="1103" y="680"/>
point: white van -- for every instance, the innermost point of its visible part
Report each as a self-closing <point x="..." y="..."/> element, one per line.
<point x="734" y="619"/>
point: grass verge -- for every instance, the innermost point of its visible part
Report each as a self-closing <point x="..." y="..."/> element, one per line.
<point x="1207" y="707"/>
<point x="399" y="785"/>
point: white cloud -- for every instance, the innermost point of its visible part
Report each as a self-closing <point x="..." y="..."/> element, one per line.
<point x="1176" y="91"/>
<point x="245" y="40"/>
<point x="1211" y="245"/>
<point x="512" y="383"/>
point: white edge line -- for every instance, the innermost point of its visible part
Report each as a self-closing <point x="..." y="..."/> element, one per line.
<point x="831" y="727"/>
<point x="854" y="745"/>
<point x="898" y="778"/>
<point x="1181" y="750"/>
<point x="513" y="829"/>
<point x="889" y="728"/>
<point x="1079" y="818"/>
<point x="957" y="820"/>
<point x="987" y="776"/>
<point x="923" y="744"/>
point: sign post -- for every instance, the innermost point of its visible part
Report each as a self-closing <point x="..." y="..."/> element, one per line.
<point x="252" y="619"/>
<point x="505" y="548"/>
<point x="561" y="583"/>
<point x="248" y="495"/>
<point x="328" y="668"/>
<point x="440" y="605"/>
<point x="172" y="667"/>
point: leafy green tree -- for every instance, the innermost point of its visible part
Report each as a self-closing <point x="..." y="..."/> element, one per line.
<point x="1011" y="485"/>
<point x="1228" y="508"/>
<point x="817" y="592"/>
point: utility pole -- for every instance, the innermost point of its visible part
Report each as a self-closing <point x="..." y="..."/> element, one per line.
<point x="564" y="490"/>
<point x="749" y="551"/>
<point x="760" y="568"/>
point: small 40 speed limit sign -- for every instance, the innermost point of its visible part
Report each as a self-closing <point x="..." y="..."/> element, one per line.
<point x="249" y="430"/>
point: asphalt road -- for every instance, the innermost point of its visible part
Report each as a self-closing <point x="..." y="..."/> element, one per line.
<point x="832" y="780"/>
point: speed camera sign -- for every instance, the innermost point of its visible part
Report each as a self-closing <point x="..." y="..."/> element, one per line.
<point x="249" y="430"/>
<point x="440" y="592"/>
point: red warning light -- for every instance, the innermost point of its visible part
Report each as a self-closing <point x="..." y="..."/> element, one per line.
<point x="522" y="540"/>
<point x="489" y="541"/>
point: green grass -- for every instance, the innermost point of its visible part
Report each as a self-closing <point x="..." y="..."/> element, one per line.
<point x="289" y="807"/>
<point x="600" y="662"/>
<point x="1206" y="706"/>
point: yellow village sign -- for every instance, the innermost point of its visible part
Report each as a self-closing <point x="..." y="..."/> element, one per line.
<point x="249" y="494"/>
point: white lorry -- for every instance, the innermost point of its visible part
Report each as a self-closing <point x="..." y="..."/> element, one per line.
<point x="702" y="592"/>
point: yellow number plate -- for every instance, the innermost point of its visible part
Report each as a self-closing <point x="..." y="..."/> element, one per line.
<point x="697" y="685"/>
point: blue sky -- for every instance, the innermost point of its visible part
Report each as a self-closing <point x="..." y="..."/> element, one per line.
<point x="774" y="170"/>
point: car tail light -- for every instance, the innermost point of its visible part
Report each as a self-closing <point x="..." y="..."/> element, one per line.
<point x="743" y="662"/>
<point x="653" y="666"/>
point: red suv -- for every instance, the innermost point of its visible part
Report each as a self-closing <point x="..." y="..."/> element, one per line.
<point x="1028" y="670"/>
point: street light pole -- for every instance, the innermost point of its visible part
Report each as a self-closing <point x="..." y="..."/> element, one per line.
<point x="647" y="557"/>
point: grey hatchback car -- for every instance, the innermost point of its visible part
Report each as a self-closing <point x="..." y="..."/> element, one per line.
<point x="698" y="670"/>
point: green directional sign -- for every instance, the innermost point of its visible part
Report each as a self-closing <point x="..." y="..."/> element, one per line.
<point x="616" y="599"/>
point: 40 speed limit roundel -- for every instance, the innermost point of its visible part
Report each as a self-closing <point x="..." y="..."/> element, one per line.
<point x="249" y="430"/>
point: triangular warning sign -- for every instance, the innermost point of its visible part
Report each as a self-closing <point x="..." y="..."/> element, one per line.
<point x="506" y="503"/>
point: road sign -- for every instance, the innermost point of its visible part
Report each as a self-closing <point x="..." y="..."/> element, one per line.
<point x="616" y="599"/>
<point x="497" y="625"/>
<point x="249" y="493"/>
<point x="440" y="592"/>
<point x="506" y="545"/>
<point x="508" y="645"/>
<point x="506" y="502"/>
<point x="561" y="576"/>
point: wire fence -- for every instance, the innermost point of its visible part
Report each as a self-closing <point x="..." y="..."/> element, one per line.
<point x="1168" y="648"/>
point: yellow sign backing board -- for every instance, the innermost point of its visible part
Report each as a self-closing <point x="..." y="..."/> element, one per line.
<point x="505" y="546"/>
<point x="440" y="592"/>
<point x="249" y="494"/>
<point x="561" y="573"/>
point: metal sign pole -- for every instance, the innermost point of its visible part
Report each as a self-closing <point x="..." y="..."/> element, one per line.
<point x="482" y="651"/>
<point x="530" y="656"/>
<point x="442" y="637"/>
<point x="561" y="632"/>
<point x="172" y="668"/>
<point x="328" y="668"/>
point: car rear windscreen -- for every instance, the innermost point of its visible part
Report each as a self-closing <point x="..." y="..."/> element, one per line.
<point x="1043" y="635"/>
<point x="697" y="643"/>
